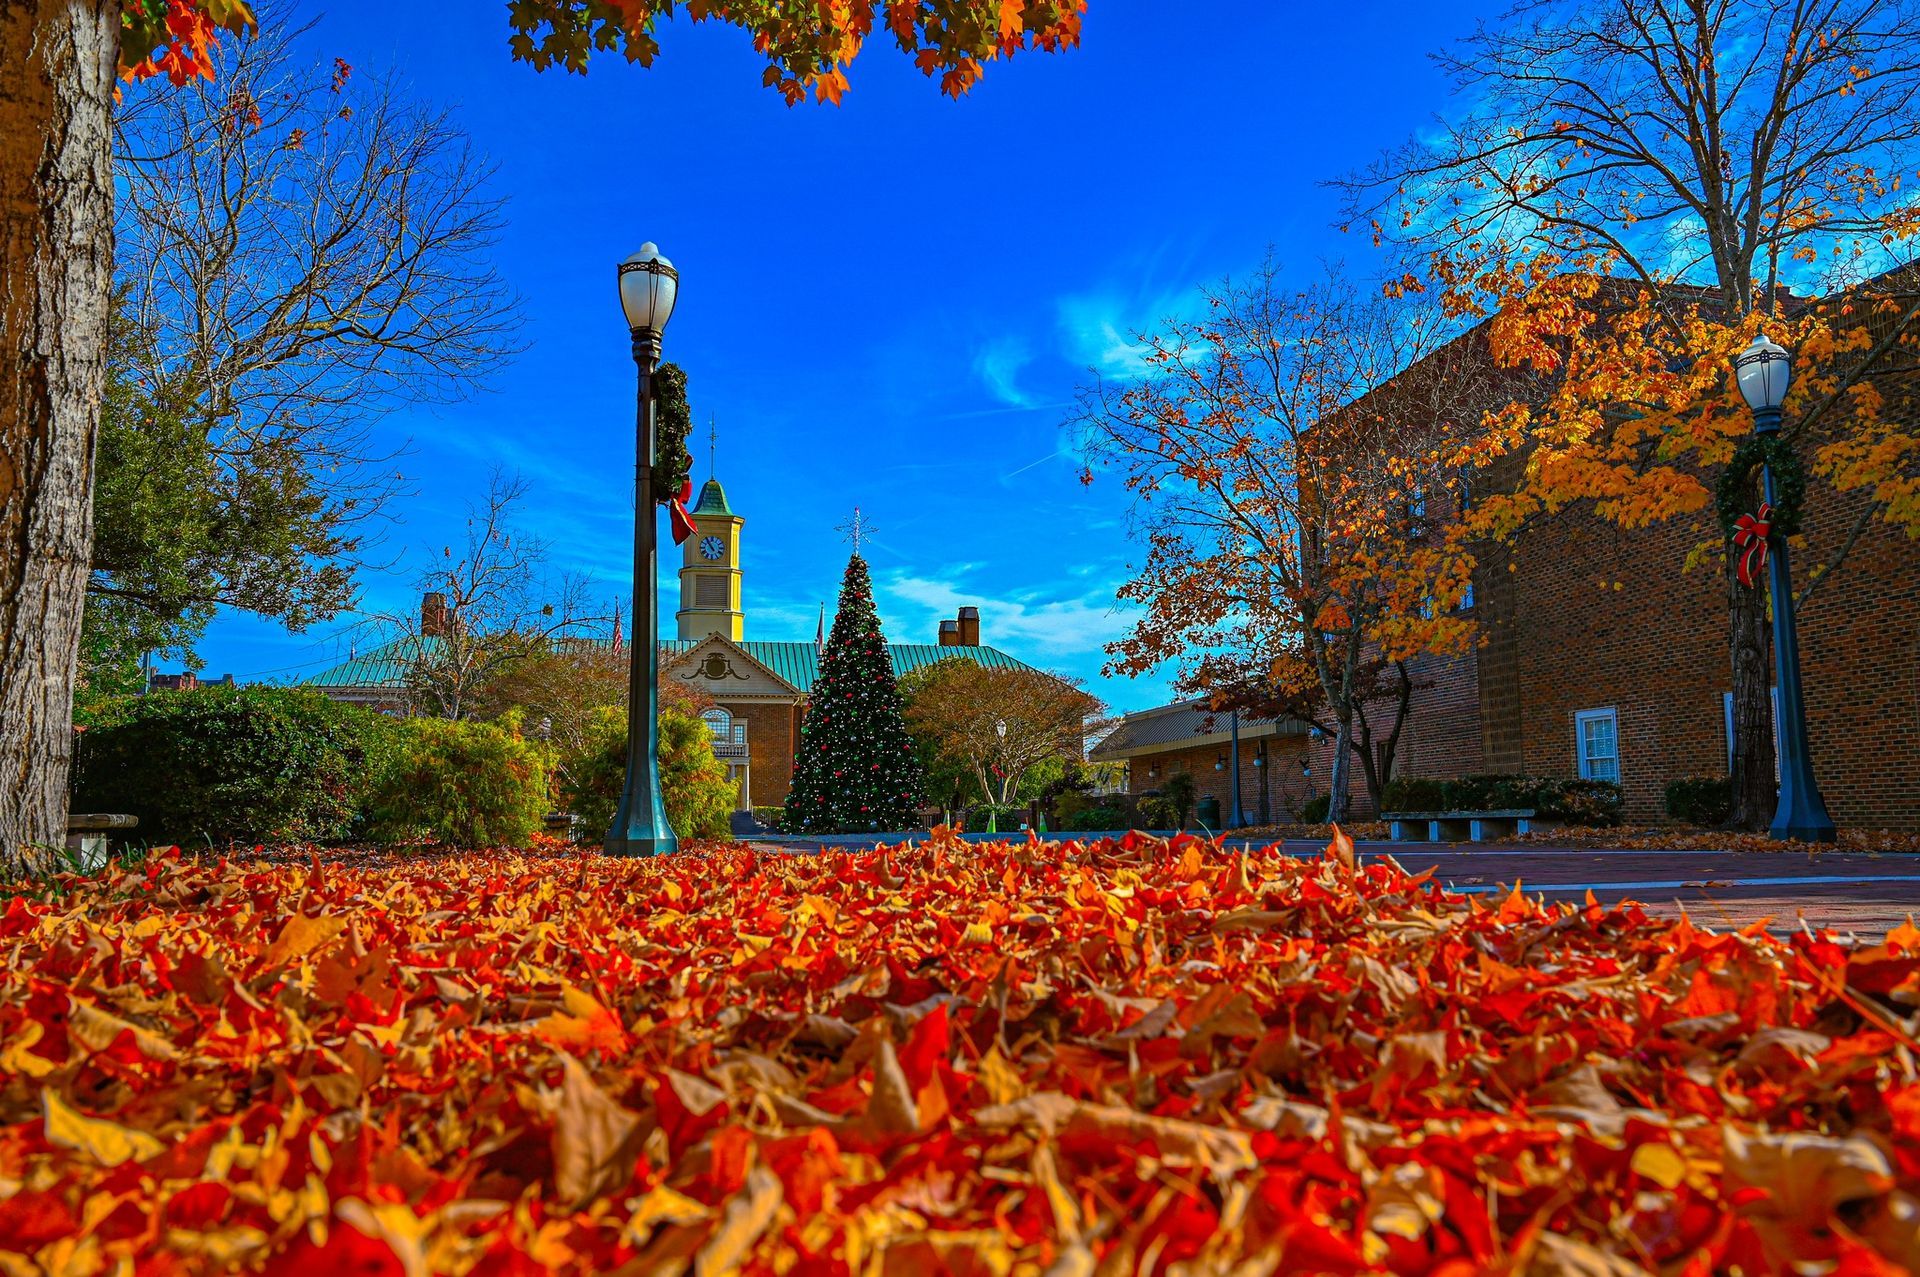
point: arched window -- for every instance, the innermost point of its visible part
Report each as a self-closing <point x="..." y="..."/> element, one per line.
<point x="719" y="723"/>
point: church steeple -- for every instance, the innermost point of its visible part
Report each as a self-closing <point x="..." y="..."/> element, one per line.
<point x="710" y="569"/>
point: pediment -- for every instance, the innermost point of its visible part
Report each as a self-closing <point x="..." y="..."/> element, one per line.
<point x="724" y="671"/>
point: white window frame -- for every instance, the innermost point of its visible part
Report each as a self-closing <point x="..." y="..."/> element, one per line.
<point x="1726" y="721"/>
<point x="1582" y="764"/>
<point x="719" y="722"/>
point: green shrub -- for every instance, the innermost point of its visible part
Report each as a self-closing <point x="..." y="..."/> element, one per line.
<point x="460" y="783"/>
<point x="1314" y="810"/>
<point x="222" y="765"/>
<point x="1578" y="802"/>
<point x="1700" y="800"/>
<point x="1414" y="793"/>
<point x="1008" y="818"/>
<point x="694" y="785"/>
<point x="1179" y="790"/>
<point x="770" y="816"/>
<point x="1098" y="817"/>
<point x="1158" y="811"/>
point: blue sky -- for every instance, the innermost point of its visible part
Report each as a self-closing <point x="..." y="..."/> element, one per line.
<point x="888" y="303"/>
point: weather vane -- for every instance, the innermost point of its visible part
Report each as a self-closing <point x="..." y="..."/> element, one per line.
<point x="857" y="529"/>
<point x="713" y="441"/>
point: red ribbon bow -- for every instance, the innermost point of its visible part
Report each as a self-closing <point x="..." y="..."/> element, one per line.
<point x="677" y="516"/>
<point x="1750" y="532"/>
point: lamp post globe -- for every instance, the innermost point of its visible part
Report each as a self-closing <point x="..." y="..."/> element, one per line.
<point x="993" y="804"/>
<point x="649" y="287"/>
<point x="1764" y="371"/>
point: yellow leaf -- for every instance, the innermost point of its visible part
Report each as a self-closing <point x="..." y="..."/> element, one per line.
<point x="746" y="1215"/>
<point x="662" y="1205"/>
<point x="107" y="1143"/>
<point x="300" y="936"/>
<point x="15" y="1056"/>
<point x="1661" y="1164"/>
<point x="1003" y="1082"/>
<point x="97" y="1030"/>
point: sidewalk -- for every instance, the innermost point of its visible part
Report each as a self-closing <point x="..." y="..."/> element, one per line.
<point x="1850" y="892"/>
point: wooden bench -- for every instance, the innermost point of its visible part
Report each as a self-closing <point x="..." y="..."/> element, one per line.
<point x="89" y="832"/>
<point x="1466" y="826"/>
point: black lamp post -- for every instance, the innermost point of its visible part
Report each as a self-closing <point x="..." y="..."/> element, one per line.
<point x="648" y="288"/>
<point x="1260" y="765"/>
<point x="1236" y="818"/>
<point x="1764" y="371"/>
<point x="993" y="804"/>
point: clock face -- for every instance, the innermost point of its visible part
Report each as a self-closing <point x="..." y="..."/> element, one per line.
<point x="711" y="548"/>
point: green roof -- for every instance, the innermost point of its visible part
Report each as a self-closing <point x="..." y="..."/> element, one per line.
<point x="797" y="663"/>
<point x="713" y="499"/>
<point x="382" y="666"/>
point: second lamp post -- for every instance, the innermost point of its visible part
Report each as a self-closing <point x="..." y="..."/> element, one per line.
<point x="1764" y="370"/>
<point x="648" y="288"/>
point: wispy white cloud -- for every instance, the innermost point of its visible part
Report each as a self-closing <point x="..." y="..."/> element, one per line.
<point x="1032" y="624"/>
<point x="998" y="364"/>
<point x="1099" y="332"/>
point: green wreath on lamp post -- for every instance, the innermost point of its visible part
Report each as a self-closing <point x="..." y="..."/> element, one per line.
<point x="673" y="423"/>
<point x="1789" y="484"/>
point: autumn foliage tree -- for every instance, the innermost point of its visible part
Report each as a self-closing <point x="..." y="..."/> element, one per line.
<point x="1630" y="194"/>
<point x="998" y="724"/>
<point x="1288" y="480"/>
<point x="60" y="60"/>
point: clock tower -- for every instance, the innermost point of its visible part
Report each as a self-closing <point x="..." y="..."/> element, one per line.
<point x="710" y="571"/>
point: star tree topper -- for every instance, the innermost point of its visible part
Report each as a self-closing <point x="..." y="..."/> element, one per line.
<point x="857" y="529"/>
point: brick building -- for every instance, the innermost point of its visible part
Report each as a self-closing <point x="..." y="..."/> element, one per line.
<point x="1275" y="774"/>
<point x="1599" y="656"/>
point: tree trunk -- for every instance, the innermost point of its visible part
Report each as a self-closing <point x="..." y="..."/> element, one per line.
<point x="1339" y="773"/>
<point x="57" y="63"/>
<point x="1752" y="770"/>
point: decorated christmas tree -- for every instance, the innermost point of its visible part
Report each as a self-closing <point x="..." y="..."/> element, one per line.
<point x="855" y="771"/>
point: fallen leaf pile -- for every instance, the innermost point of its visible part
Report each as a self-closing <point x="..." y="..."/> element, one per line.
<point x="1020" y="1058"/>
<point x="1688" y="839"/>
<point x="1360" y="830"/>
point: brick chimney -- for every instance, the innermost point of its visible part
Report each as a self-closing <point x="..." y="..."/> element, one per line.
<point x="433" y="614"/>
<point x="949" y="634"/>
<point x="969" y="627"/>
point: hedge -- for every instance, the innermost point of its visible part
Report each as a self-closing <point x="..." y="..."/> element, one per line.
<point x="1097" y="818"/>
<point x="1578" y="802"/>
<point x="223" y="765"/>
<point x="1700" y="800"/>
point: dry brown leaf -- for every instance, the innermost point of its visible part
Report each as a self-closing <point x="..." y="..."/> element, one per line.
<point x="594" y="1137"/>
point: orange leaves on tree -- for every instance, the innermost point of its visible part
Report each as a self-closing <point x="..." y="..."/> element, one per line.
<point x="807" y="51"/>
<point x="176" y="38"/>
